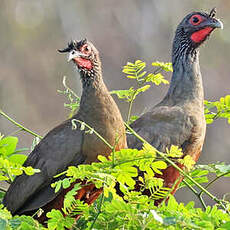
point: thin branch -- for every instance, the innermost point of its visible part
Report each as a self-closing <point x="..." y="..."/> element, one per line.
<point x="196" y="194"/>
<point x="99" y="211"/>
<point x="130" y="109"/>
<point x="94" y="131"/>
<point x="19" y="125"/>
<point x="210" y="183"/>
<point x="158" y="70"/>
<point x="68" y="88"/>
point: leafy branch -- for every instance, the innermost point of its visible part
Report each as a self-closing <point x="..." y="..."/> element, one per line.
<point x="217" y="109"/>
<point x="186" y="175"/>
<point x="136" y="72"/>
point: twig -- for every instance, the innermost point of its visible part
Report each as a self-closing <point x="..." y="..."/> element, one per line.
<point x="210" y="183"/>
<point x="130" y="108"/>
<point x="68" y="88"/>
<point x="19" y="125"/>
<point x="196" y="194"/>
<point x="99" y="211"/>
<point x="94" y="131"/>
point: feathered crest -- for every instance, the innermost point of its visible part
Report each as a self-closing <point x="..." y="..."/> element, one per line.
<point x="212" y="13"/>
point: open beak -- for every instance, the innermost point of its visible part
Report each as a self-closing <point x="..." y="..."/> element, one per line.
<point x="74" y="54"/>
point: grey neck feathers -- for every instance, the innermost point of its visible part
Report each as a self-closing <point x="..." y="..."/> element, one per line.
<point x="186" y="83"/>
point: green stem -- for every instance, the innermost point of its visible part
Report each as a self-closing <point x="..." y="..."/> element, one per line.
<point x="99" y="211"/>
<point x="95" y="132"/>
<point x="196" y="194"/>
<point x="130" y="110"/>
<point x="158" y="70"/>
<point x="214" y="180"/>
<point x="68" y="88"/>
<point x="178" y="168"/>
<point x="19" y="125"/>
<point x="210" y="183"/>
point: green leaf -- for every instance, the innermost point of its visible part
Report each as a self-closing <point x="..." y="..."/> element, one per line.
<point x="166" y="66"/>
<point x="8" y="145"/>
<point x="124" y="94"/>
<point x="143" y="89"/>
<point x="157" y="79"/>
<point x="174" y="151"/>
<point x="3" y="178"/>
<point x="58" y="222"/>
<point x="18" y="158"/>
<point x="66" y="183"/>
<point x="3" y="224"/>
<point x="187" y="161"/>
<point x="30" y="171"/>
<point x="16" y="171"/>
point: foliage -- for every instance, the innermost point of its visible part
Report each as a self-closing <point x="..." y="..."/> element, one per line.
<point x="132" y="210"/>
<point x="136" y="72"/>
<point x="142" y="214"/>
<point x="217" y="109"/>
<point x="58" y="221"/>
<point x="11" y="161"/>
<point x="7" y="222"/>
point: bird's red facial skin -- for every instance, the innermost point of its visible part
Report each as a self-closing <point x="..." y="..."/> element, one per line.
<point x="84" y="63"/>
<point x="200" y="35"/>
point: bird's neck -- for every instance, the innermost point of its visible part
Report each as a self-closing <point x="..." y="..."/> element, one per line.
<point x="186" y="83"/>
<point x="94" y="92"/>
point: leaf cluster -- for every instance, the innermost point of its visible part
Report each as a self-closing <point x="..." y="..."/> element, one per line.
<point x="217" y="109"/>
<point x="11" y="160"/>
<point x="136" y="71"/>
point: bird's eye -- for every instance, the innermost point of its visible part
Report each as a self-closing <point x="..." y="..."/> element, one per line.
<point x="196" y="20"/>
<point x="85" y="49"/>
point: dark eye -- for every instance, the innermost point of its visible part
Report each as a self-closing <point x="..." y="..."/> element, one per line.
<point x="196" y="20"/>
<point x="86" y="48"/>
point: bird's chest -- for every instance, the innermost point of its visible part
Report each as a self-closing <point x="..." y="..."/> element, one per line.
<point x="93" y="145"/>
<point x="197" y="137"/>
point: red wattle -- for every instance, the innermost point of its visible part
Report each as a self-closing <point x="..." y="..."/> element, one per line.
<point x="200" y="35"/>
<point x="85" y="63"/>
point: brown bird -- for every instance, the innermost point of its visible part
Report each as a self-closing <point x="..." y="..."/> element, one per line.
<point x="63" y="146"/>
<point x="179" y="118"/>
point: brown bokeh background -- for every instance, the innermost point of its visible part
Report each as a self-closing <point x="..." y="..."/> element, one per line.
<point x="31" y="69"/>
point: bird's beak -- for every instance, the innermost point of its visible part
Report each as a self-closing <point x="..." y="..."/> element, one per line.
<point x="216" y="23"/>
<point x="74" y="54"/>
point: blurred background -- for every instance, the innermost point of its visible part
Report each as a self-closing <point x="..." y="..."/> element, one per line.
<point x="31" y="69"/>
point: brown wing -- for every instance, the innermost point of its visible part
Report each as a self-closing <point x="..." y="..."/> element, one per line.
<point x="60" y="148"/>
<point x="162" y="127"/>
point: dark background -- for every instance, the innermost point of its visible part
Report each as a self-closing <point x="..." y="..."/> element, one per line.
<point x="31" y="69"/>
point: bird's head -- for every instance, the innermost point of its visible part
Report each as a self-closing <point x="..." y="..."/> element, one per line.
<point x="83" y="54"/>
<point x="196" y="27"/>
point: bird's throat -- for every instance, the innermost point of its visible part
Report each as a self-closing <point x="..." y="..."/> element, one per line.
<point x="83" y="63"/>
<point x="201" y="35"/>
<point x="186" y="83"/>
